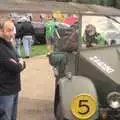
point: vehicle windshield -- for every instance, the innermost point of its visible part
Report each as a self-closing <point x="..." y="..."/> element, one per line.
<point x="100" y="31"/>
<point x="95" y="30"/>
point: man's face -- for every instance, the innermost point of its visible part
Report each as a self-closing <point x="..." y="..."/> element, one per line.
<point x="8" y="30"/>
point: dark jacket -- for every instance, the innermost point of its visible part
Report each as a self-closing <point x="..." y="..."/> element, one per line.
<point x="18" y="26"/>
<point x="26" y="29"/>
<point x="9" y="70"/>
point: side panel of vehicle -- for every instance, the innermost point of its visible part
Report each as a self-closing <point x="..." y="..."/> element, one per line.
<point x="102" y="67"/>
<point x="69" y="89"/>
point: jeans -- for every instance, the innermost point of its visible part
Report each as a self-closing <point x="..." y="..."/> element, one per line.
<point x="27" y="44"/>
<point x="8" y="107"/>
<point x="18" y="44"/>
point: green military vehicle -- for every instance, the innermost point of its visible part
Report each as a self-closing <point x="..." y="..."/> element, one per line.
<point x="86" y="70"/>
<point x="86" y="66"/>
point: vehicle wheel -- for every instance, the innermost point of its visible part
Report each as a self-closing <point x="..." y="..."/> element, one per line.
<point x="59" y="115"/>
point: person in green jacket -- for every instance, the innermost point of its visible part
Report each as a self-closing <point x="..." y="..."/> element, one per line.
<point x="50" y="26"/>
<point x="92" y="38"/>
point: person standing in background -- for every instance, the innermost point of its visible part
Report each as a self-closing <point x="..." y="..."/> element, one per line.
<point x="14" y="33"/>
<point x="10" y="68"/>
<point x="92" y="38"/>
<point x="26" y="31"/>
<point x="18" y="38"/>
<point x="50" y="27"/>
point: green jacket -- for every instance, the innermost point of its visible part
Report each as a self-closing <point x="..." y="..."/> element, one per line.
<point x="100" y="39"/>
<point x="97" y="38"/>
<point x="50" y="28"/>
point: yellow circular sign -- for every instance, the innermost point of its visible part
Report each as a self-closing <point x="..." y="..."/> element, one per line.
<point x="83" y="106"/>
<point x="59" y="16"/>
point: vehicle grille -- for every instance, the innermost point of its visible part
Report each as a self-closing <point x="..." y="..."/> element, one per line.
<point x="112" y="114"/>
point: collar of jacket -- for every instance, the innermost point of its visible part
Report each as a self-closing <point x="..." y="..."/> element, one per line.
<point x="5" y="42"/>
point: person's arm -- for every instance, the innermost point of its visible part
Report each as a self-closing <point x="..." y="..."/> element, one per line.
<point x="21" y="31"/>
<point x="33" y="31"/>
<point x="10" y="64"/>
<point x="100" y="39"/>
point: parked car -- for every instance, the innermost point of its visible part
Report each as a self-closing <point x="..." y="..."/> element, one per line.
<point x="39" y="27"/>
<point x="39" y="37"/>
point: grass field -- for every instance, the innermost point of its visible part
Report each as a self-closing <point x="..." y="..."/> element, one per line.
<point x="36" y="50"/>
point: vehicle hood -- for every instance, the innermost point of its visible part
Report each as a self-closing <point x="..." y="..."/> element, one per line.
<point x="106" y="60"/>
<point x="102" y="67"/>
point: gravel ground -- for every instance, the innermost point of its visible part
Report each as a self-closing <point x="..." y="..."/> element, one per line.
<point x="36" y="97"/>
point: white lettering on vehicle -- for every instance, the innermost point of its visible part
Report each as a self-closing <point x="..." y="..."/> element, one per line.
<point x="101" y="64"/>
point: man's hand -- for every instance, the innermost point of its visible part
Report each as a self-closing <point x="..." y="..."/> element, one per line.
<point x="22" y="62"/>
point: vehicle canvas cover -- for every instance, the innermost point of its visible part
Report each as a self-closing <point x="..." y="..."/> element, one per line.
<point x="68" y="40"/>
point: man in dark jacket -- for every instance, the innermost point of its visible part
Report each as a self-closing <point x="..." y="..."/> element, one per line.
<point x="10" y="68"/>
<point x="27" y="31"/>
<point x="18" y="38"/>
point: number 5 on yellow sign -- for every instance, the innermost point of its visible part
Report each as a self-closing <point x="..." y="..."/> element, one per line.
<point x="83" y="106"/>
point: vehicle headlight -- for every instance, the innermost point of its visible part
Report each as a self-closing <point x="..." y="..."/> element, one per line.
<point x="113" y="100"/>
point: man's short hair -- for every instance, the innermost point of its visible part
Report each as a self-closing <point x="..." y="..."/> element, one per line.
<point x="5" y="23"/>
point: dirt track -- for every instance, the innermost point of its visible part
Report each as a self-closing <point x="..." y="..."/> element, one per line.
<point x="36" y="97"/>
